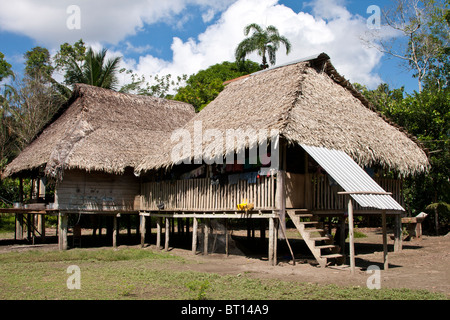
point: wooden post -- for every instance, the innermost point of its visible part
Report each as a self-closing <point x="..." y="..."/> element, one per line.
<point x="19" y="226"/>
<point x="41" y="226"/>
<point x="271" y="240"/>
<point x="350" y="234"/>
<point x="276" y="225"/>
<point x="385" y="247"/>
<point x="62" y="230"/>
<point x="142" y="229"/>
<point x="226" y="237"/>
<point x="167" y="234"/>
<point x="158" y="232"/>
<point x="398" y="242"/>
<point x="194" y="235"/>
<point x="115" y="232"/>
<point x="206" y="236"/>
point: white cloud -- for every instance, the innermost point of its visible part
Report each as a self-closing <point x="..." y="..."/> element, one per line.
<point x="109" y="21"/>
<point x="333" y="30"/>
<point x="329" y="28"/>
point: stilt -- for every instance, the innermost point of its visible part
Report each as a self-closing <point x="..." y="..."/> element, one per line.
<point x="19" y="226"/>
<point x="206" y="228"/>
<point x="158" y="233"/>
<point x="194" y="235"/>
<point x="115" y="232"/>
<point x="385" y="246"/>
<point x="350" y="234"/>
<point x="142" y="229"/>
<point x="276" y="225"/>
<point x="271" y="241"/>
<point x="41" y="226"/>
<point x="398" y="242"/>
<point x="62" y="230"/>
<point x="226" y="237"/>
<point x="167" y="234"/>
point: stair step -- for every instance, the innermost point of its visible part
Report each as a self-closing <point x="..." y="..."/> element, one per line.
<point x="308" y="222"/>
<point x="327" y="246"/>
<point x="319" y="238"/>
<point x="330" y="256"/>
<point x="313" y="230"/>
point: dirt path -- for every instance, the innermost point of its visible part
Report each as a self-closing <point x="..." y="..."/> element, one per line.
<point x="422" y="264"/>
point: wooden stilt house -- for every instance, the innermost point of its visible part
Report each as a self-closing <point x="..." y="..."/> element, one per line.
<point x="88" y="154"/>
<point x="331" y="155"/>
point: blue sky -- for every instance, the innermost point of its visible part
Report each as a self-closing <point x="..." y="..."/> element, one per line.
<point x="184" y="36"/>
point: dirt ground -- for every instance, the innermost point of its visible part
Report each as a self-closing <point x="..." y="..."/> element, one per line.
<point x="422" y="264"/>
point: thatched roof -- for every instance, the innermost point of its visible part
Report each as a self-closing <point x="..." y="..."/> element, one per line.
<point x="309" y="103"/>
<point x="102" y="130"/>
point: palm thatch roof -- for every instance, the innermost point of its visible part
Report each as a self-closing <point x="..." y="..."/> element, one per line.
<point x="309" y="103"/>
<point x="101" y="130"/>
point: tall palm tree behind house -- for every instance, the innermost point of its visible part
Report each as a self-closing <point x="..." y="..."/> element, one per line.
<point x="265" y="42"/>
<point x="95" y="70"/>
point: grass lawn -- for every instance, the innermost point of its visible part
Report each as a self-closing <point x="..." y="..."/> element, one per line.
<point x="133" y="273"/>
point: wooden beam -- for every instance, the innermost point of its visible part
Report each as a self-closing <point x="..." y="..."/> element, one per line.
<point x="158" y="233"/>
<point x="167" y="235"/>
<point x="271" y="237"/>
<point x="62" y="231"/>
<point x="142" y="229"/>
<point x="115" y="232"/>
<point x="351" y="236"/>
<point x="398" y="242"/>
<point x="385" y="247"/>
<point x="206" y="230"/>
<point x="226" y="237"/>
<point x="194" y="235"/>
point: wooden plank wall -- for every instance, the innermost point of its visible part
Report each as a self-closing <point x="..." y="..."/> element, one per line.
<point x="81" y="190"/>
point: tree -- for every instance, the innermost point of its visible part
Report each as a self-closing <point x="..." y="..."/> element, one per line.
<point x="264" y="41"/>
<point x="203" y="87"/>
<point x="38" y="64"/>
<point x="426" y="115"/>
<point x="95" y="70"/>
<point x="421" y="33"/>
<point x="5" y="68"/>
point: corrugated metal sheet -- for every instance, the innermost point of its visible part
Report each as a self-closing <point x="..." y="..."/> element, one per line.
<point x="351" y="177"/>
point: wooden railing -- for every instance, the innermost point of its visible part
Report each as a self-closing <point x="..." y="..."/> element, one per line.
<point x="201" y="194"/>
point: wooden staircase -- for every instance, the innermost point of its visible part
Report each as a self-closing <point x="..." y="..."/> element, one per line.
<point x="321" y="244"/>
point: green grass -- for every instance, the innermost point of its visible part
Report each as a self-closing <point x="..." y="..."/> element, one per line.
<point x="143" y="274"/>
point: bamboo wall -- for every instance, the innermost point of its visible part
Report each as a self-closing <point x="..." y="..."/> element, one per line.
<point x="200" y="194"/>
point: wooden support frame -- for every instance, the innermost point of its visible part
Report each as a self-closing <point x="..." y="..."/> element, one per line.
<point x="142" y="229"/>
<point x="351" y="236"/>
<point x="194" y="235"/>
<point x="385" y="245"/>
<point x="167" y="234"/>
<point x="63" y="219"/>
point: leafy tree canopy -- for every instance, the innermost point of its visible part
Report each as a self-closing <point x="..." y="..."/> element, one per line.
<point x="203" y="87"/>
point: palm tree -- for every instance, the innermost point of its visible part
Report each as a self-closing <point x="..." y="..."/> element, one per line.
<point x="264" y="41"/>
<point x="94" y="70"/>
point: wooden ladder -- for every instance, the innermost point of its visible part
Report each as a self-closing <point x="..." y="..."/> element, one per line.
<point x="321" y="244"/>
